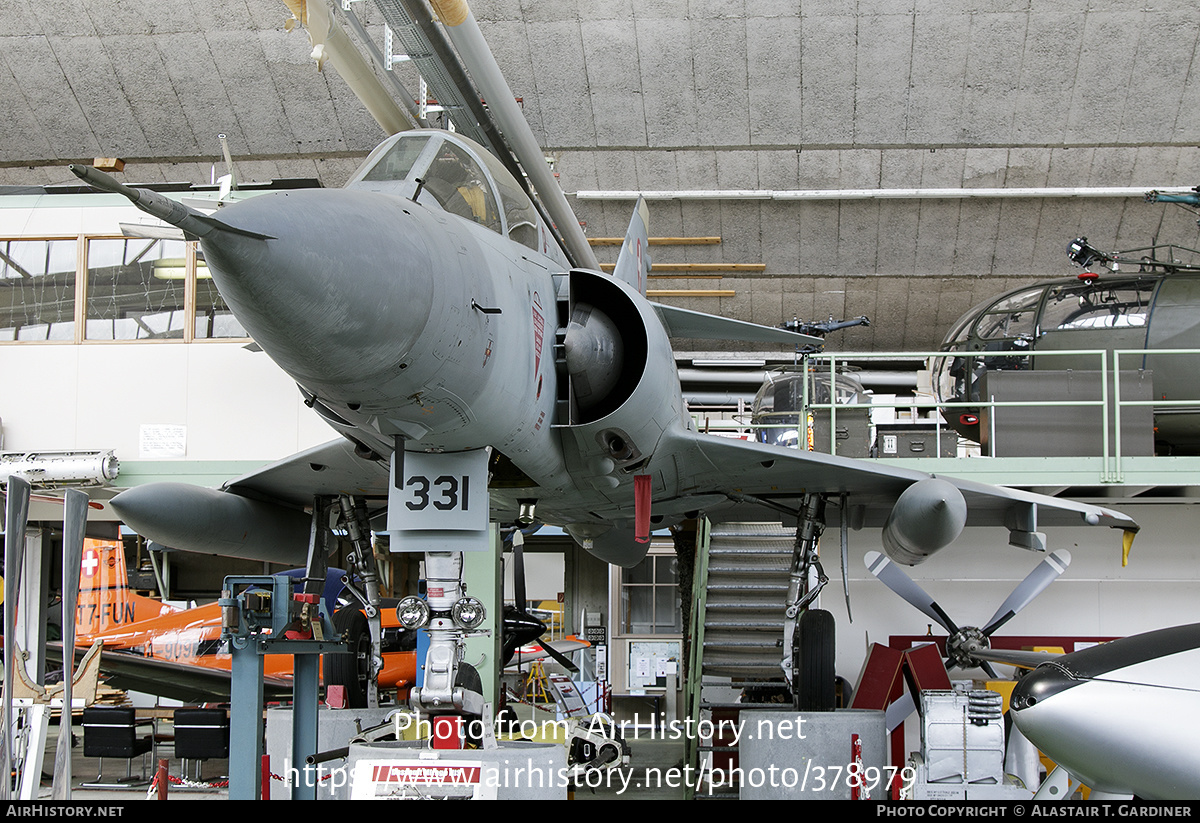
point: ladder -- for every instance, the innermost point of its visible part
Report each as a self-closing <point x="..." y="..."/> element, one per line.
<point x="739" y="594"/>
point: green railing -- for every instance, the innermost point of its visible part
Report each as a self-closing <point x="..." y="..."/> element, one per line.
<point x="1107" y="364"/>
<point x="1158" y="403"/>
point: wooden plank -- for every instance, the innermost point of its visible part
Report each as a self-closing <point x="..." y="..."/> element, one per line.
<point x="659" y="241"/>
<point x="690" y="292"/>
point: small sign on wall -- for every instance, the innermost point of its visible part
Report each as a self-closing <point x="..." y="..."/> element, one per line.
<point x="157" y="440"/>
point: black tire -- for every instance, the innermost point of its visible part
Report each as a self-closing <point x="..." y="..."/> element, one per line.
<point x="352" y="669"/>
<point x="813" y="677"/>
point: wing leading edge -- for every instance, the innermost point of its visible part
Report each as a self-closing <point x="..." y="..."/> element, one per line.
<point x="770" y="476"/>
<point x="329" y="469"/>
<point x="726" y="477"/>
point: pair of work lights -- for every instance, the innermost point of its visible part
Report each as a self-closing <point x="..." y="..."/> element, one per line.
<point x="414" y="613"/>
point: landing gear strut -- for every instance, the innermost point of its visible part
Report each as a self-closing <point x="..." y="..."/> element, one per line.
<point x="808" y="634"/>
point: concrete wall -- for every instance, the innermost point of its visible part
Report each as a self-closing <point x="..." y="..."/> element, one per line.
<point x="694" y="94"/>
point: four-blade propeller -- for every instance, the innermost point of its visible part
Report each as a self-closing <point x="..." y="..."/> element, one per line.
<point x="968" y="646"/>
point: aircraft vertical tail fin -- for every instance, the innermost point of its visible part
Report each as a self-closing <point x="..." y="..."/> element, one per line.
<point x="633" y="262"/>
<point x="105" y="600"/>
<point x="103" y="567"/>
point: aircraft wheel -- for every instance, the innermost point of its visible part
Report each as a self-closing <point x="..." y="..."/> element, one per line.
<point x="813" y="677"/>
<point x="351" y="669"/>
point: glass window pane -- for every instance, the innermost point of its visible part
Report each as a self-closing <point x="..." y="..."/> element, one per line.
<point x="666" y="570"/>
<point x="460" y="186"/>
<point x="519" y="212"/>
<point x="641" y="573"/>
<point x="135" y="289"/>
<point x="213" y="318"/>
<point x="667" y="615"/>
<point x="640" y="619"/>
<point x="398" y="161"/>
<point x="1097" y="307"/>
<point x="1012" y="316"/>
<point x="37" y="289"/>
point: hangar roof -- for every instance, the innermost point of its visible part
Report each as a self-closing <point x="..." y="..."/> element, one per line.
<point x="688" y="94"/>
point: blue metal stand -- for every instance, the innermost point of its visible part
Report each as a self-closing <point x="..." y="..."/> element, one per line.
<point x="257" y="612"/>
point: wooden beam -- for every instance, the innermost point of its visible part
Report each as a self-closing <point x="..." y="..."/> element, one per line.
<point x="659" y="241"/>
<point x="690" y="292"/>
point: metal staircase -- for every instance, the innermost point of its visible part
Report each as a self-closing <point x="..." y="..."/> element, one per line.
<point x="747" y="583"/>
<point x="739" y="592"/>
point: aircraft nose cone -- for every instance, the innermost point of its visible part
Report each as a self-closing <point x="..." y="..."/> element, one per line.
<point x="341" y="291"/>
<point x="1040" y="684"/>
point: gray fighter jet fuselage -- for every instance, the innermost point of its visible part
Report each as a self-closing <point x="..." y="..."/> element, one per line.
<point x="426" y="307"/>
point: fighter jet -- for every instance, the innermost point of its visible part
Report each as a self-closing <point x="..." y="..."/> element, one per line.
<point x="430" y="308"/>
<point x="425" y="307"/>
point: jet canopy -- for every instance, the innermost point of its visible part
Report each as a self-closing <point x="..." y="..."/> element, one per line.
<point x="454" y="173"/>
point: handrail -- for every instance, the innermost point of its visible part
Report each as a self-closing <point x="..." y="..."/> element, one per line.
<point x="1109" y="371"/>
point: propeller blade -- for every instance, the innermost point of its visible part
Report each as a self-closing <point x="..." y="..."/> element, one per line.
<point x="1034" y="584"/>
<point x="75" y="512"/>
<point x="1015" y="657"/>
<point x="518" y="541"/>
<point x="562" y="659"/>
<point x="16" y="518"/>
<point x="890" y="575"/>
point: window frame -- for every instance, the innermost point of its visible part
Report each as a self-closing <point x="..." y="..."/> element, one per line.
<point x="79" y="337"/>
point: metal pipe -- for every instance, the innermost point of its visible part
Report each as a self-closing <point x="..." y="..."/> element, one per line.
<point x="757" y="378"/>
<point x="464" y="33"/>
<point x="876" y="194"/>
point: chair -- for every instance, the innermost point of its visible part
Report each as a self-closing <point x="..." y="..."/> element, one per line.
<point x="110" y="731"/>
<point x="201" y="734"/>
